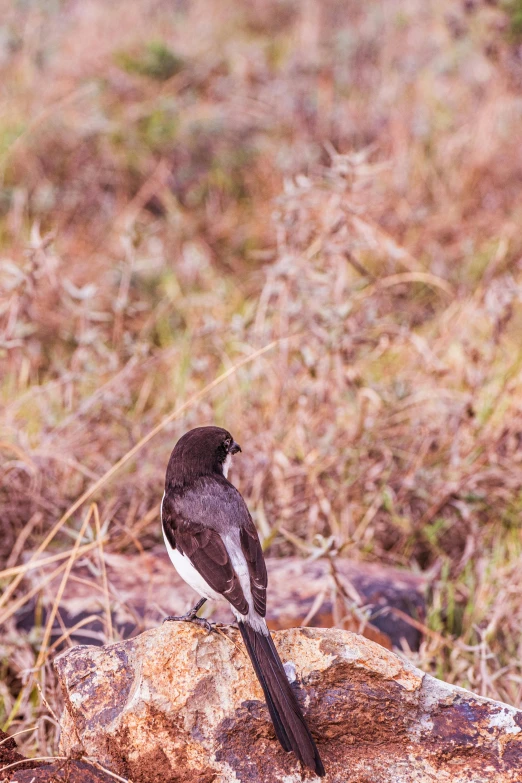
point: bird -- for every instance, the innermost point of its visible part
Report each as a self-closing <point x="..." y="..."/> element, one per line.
<point x="214" y="546"/>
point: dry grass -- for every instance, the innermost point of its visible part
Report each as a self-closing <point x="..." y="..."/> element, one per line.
<point x="182" y="188"/>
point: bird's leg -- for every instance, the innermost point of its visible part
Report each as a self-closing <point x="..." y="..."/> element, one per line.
<point x="191" y="617"/>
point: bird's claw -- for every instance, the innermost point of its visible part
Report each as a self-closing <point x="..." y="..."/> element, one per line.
<point x="191" y="617"/>
<point x="204" y="623"/>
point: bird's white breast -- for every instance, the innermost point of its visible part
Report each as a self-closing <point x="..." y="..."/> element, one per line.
<point x="186" y="570"/>
<point x="189" y="574"/>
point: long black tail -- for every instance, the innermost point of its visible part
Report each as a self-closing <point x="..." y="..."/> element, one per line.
<point x="289" y="723"/>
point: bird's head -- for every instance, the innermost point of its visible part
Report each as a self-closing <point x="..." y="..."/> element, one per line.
<point x="201" y="451"/>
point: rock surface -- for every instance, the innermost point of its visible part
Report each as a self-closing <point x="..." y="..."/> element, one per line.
<point x="176" y="704"/>
<point x="15" y="768"/>
<point x="70" y="771"/>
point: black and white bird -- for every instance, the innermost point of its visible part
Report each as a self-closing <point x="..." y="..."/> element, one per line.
<point x="213" y="544"/>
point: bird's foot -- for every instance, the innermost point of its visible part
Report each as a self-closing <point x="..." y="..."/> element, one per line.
<point x="191" y="617"/>
<point x="204" y="623"/>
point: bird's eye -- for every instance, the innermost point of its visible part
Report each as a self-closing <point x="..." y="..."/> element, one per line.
<point x="227" y="443"/>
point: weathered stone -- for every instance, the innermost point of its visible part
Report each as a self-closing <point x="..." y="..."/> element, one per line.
<point x="15" y="768"/>
<point x="9" y="754"/>
<point x="149" y="589"/>
<point x="69" y="771"/>
<point x="177" y="704"/>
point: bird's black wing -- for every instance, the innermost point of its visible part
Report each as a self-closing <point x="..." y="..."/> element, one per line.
<point x="195" y="521"/>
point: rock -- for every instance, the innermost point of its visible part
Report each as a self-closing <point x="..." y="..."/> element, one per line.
<point x="177" y="704"/>
<point x="70" y="771"/>
<point x="16" y="768"/>
<point x="389" y="597"/>
<point x="148" y="588"/>
<point x="9" y="754"/>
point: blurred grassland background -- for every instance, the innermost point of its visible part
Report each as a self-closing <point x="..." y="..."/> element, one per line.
<point x="183" y="183"/>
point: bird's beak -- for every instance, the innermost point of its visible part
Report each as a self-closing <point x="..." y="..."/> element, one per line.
<point x="235" y="447"/>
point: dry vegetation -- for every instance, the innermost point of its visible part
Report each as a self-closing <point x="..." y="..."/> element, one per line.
<point x="184" y="183"/>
